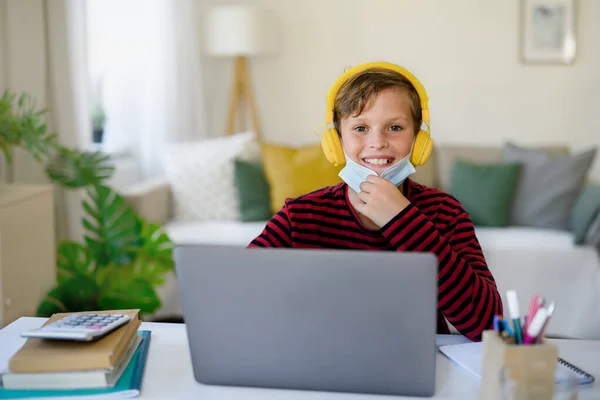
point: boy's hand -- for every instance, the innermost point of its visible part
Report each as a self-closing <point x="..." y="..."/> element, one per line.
<point x="380" y="200"/>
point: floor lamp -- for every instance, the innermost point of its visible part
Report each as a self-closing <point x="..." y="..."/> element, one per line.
<point x="240" y="32"/>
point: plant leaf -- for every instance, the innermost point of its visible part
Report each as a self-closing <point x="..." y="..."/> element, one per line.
<point x="112" y="227"/>
<point x="150" y="270"/>
<point x="73" y="259"/>
<point x="154" y="256"/>
<point x="22" y="125"/>
<point x="105" y="274"/>
<point x="52" y="303"/>
<point x="125" y="291"/>
<point x="77" y="170"/>
<point x="80" y="293"/>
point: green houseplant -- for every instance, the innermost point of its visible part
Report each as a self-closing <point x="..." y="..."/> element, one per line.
<point x="123" y="258"/>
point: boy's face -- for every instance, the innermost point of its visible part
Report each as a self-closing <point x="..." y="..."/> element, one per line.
<point x="382" y="134"/>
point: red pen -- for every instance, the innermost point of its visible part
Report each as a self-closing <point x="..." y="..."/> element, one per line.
<point x="532" y="310"/>
<point x="534" y="306"/>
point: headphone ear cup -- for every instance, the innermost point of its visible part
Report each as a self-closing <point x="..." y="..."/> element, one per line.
<point x="332" y="147"/>
<point x="422" y="149"/>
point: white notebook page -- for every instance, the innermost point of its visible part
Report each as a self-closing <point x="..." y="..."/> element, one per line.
<point x="469" y="356"/>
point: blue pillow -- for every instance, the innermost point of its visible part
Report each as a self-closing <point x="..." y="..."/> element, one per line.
<point x="586" y="210"/>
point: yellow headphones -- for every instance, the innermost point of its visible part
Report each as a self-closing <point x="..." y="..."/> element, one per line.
<point x="331" y="141"/>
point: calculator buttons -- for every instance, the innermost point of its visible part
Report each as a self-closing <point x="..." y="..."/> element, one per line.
<point x="80" y="327"/>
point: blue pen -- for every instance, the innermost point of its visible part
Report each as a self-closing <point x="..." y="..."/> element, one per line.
<point x="506" y="327"/>
<point x="496" y="324"/>
<point x="515" y="316"/>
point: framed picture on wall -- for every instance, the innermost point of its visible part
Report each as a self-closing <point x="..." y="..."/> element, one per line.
<point x="548" y="31"/>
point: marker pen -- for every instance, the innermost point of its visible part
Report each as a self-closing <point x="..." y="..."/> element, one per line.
<point x="535" y="327"/>
<point x="515" y="315"/>
<point x="550" y="311"/>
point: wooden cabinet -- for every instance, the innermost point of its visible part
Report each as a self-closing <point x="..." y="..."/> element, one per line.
<point x="27" y="249"/>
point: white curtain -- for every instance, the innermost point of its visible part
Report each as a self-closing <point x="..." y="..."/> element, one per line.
<point x="145" y="56"/>
<point x="146" y="51"/>
<point x="68" y="95"/>
<point x="43" y="54"/>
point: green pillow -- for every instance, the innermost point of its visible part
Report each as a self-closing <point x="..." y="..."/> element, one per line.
<point x="486" y="191"/>
<point x="253" y="191"/>
<point x="586" y="209"/>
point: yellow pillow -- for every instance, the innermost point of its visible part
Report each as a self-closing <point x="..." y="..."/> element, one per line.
<point x="292" y="172"/>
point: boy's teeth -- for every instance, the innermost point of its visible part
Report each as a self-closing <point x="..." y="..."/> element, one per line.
<point x="377" y="161"/>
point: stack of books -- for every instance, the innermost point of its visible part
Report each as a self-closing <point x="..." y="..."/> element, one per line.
<point x="111" y="365"/>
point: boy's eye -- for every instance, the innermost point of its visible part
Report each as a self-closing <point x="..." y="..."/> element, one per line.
<point x="396" y="128"/>
<point x="360" y="128"/>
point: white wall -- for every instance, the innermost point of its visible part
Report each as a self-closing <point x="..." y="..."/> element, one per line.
<point x="465" y="52"/>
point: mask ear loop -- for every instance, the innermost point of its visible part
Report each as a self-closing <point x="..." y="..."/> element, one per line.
<point x="321" y="129"/>
<point x="412" y="147"/>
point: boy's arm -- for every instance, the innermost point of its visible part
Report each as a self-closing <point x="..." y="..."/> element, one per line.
<point x="277" y="232"/>
<point x="467" y="292"/>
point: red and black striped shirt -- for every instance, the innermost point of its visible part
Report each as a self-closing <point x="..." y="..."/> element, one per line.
<point x="434" y="222"/>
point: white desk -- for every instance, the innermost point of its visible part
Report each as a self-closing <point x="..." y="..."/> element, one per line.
<point x="168" y="373"/>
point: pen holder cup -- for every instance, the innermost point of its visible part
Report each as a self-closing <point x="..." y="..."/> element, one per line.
<point x="530" y="368"/>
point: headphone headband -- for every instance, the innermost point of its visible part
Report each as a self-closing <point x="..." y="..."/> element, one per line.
<point x="335" y="88"/>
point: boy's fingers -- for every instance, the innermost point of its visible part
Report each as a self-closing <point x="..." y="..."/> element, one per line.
<point x="360" y="207"/>
<point x="364" y="196"/>
<point x="374" y="178"/>
<point x="366" y="186"/>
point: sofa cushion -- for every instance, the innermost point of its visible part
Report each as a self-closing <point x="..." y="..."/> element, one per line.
<point x="549" y="186"/>
<point x="253" y="191"/>
<point x="447" y="154"/>
<point x="521" y="237"/>
<point x="486" y="191"/>
<point x="551" y="266"/>
<point x="592" y="236"/>
<point x="292" y="171"/>
<point x="242" y="233"/>
<point x="585" y="211"/>
<point x="201" y="176"/>
<point x="214" y="232"/>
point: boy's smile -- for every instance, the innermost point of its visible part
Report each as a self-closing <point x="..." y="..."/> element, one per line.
<point x="378" y="160"/>
<point x="382" y="134"/>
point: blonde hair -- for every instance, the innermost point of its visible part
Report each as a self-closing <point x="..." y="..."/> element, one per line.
<point x="361" y="88"/>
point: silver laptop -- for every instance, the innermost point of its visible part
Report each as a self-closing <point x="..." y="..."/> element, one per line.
<point x="326" y="320"/>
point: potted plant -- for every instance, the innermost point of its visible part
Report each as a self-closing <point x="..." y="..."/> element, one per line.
<point x="98" y="120"/>
<point x="122" y="258"/>
<point x="98" y="116"/>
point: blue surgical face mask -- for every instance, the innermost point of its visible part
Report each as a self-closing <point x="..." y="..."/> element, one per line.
<point x="354" y="174"/>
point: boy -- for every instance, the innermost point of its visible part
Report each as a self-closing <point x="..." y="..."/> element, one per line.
<point x="377" y="110"/>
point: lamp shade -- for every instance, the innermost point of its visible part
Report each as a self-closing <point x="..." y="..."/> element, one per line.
<point x="239" y="30"/>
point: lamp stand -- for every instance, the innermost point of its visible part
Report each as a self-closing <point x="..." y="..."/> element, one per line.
<point x="242" y="93"/>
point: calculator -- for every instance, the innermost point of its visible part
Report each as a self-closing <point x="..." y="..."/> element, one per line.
<point x="80" y="327"/>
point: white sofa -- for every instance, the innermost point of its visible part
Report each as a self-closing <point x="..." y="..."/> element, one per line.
<point x="529" y="260"/>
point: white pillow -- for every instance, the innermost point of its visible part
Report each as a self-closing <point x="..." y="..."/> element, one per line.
<point x="201" y="175"/>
